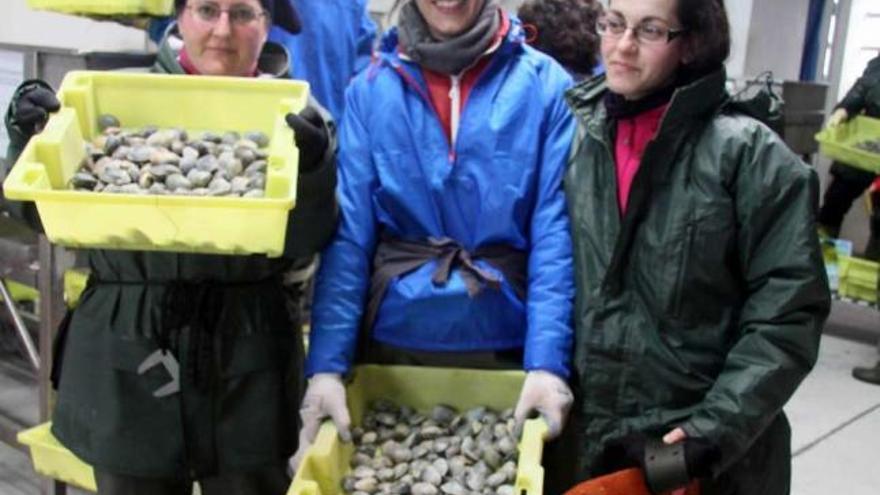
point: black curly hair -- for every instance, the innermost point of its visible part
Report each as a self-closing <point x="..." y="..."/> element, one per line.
<point x="565" y="30"/>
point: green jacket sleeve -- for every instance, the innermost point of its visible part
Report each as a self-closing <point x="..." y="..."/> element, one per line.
<point x="25" y="211"/>
<point x="312" y="222"/>
<point x="856" y="98"/>
<point x="787" y="300"/>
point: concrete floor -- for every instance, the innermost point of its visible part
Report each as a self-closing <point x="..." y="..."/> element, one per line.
<point x="836" y="424"/>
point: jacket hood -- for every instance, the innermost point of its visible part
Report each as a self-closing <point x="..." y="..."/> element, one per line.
<point x="274" y="59"/>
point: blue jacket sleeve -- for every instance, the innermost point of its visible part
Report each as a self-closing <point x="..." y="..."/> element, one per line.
<point x="548" y="343"/>
<point x="344" y="276"/>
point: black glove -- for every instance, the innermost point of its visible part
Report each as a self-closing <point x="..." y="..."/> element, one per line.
<point x="699" y="455"/>
<point x="311" y="137"/>
<point x="32" y="106"/>
<point x="623" y="453"/>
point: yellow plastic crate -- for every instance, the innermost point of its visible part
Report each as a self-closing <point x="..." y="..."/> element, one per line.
<point x="327" y="461"/>
<point x="20" y="292"/>
<point x="839" y="142"/>
<point x="105" y="7"/>
<point x="166" y="223"/>
<point x="74" y="284"/>
<point x="859" y="279"/>
<point x="52" y="460"/>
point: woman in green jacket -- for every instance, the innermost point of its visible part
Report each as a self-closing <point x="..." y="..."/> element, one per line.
<point x="701" y="289"/>
<point x="220" y="404"/>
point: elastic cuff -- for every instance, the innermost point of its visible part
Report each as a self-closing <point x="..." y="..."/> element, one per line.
<point x="665" y="466"/>
<point x="561" y="372"/>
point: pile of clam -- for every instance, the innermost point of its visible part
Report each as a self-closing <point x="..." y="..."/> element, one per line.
<point x="872" y="146"/>
<point x="168" y="161"/>
<point x="400" y="451"/>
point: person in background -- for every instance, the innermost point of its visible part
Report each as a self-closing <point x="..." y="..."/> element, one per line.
<point x="848" y="183"/>
<point x="701" y="291"/>
<point x="564" y="29"/>
<point x="334" y="43"/>
<point x="182" y="367"/>
<point x="453" y="247"/>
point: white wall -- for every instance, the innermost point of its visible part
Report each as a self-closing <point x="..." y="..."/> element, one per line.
<point x="776" y="37"/>
<point x="21" y="25"/>
<point x="739" y="12"/>
<point x="862" y="42"/>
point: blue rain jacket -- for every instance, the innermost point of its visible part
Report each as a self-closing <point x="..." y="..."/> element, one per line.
<point x="501" y="184"/>
<point x="336" y="43"/>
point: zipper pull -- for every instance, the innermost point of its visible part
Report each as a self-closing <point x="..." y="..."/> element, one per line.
<point x="455" y="104"/>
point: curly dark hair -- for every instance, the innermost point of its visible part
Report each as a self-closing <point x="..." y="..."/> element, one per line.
<point x="565" y="30"/>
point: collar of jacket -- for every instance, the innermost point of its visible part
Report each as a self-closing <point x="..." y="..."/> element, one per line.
<point x="274" y="59"/>
<point x="698" y="98"/>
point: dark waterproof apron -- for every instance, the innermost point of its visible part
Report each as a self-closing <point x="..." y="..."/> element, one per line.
<point x="206" y="372"/>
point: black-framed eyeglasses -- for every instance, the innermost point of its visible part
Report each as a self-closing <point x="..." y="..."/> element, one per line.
<point x="648" y="32"/>
<point x="239" y="14"/>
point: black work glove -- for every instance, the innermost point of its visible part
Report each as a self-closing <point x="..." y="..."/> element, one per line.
<point x="623" y="453"/>
<point x="310" y="134"/>
<point x="629" y="452"/>
<point x="700" y="455"/>
<point x="32" y="106"/>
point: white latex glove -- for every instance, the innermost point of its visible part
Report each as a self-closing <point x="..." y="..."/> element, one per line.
<point x="325" y="397"/>
<point x="547" y="394"/>
<point x="838" y="117"/>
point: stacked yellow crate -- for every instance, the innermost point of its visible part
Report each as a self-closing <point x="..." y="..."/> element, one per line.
<point x="105" y="7"/>
<point x="859" y="279"/>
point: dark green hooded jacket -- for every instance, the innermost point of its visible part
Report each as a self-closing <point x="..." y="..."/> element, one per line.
<point x="703" y="305"/>
<point x="225" y="318"/>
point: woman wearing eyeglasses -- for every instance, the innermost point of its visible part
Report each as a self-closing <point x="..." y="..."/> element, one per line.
<point x="701" y="290"/>
<point x="188" y="367"/>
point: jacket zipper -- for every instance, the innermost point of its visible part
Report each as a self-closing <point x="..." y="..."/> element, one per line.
<point x="455" y="101"/>
<point x="454" y="94"/>
<point x="682" y="270"/>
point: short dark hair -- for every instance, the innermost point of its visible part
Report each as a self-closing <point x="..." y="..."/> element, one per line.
<point x="708" y="31"/>
<point x="565" y="30"/>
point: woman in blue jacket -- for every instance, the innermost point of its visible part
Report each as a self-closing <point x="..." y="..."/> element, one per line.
<point x="453" y="247"/>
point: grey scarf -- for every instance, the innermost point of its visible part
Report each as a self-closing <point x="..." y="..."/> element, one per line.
<point x="448" y="56"/>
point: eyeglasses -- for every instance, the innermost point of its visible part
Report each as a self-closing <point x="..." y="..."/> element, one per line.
<point x="649" y="32"/>
<point x="239" y="14"/>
